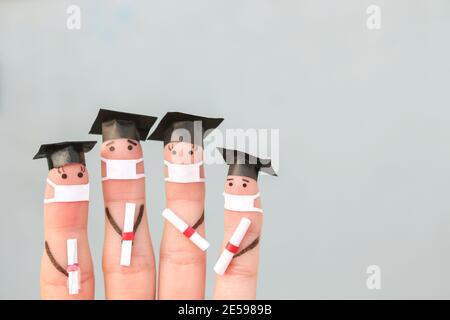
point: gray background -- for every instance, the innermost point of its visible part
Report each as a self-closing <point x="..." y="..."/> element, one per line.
<point x="363" y="118"/>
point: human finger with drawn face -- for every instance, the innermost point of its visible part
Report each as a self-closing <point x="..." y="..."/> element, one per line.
<point x="237" y="265"/>
<point x="128" y="259"/>
<point x="66" y="266"/>
<point x="182" y="253"/>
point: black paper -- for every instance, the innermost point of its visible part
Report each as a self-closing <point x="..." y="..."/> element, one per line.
<point x="116" y="125"/>
<point x="244" y="164"/>
<point x="178" y="126"/>
<point x="61" y="153"/>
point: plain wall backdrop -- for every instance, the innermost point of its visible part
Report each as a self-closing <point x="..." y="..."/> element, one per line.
<point x="363" y="117"/>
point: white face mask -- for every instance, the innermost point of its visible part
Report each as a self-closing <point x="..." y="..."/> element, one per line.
<point x="236" y="202"/>
<point x="122" y="169"/>
<point x="183" y="173"/>
<point x="68" y="193"/>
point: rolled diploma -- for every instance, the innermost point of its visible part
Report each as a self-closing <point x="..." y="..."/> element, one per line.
<point x="225" y="258"/>
<point x="128" y="225"/>
<point x="73" y="281"/>
<point x="182" y="226"/>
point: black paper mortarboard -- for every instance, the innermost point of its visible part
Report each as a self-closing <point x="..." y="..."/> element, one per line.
<point x="178" y="127"/>
<point x="61" y="153"/>
<point x="244" y="164"/>
<point x="116" y="125"/>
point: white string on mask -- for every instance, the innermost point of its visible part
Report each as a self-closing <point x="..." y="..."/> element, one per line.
<point x="236" y="202"/>
<point x="183" y="173"/>
<point x="68" y="193"/>
<point x="122" y="169"/>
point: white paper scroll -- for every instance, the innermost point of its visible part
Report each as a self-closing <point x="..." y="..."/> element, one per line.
<point x="184" y="228"/>
<point x="231" y="248"/>
<point x="73" y="269"/>
<point x="128" y="225"/>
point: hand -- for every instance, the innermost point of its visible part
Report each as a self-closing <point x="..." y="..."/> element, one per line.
<point x="182" y="266"/>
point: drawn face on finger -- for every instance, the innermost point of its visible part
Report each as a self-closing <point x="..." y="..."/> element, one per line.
<point x="69" y="174"/>
<point x="241" y="185"/>
<point x="183" y="153"/>
<point x="121" y="149"/>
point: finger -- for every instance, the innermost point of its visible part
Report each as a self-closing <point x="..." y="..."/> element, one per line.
<point x="64" y="221"/>
<point x="182" y="261"/>
<point x="238" y="279"/>
<point x="128" y="259"/>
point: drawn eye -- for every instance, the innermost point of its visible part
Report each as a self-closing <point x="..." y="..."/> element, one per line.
<point x="174" y="152"/>
<point x="230" y="184"/>
<point x="80" y="174"/>
<point x="112" y="148"/>
<point x="64" y="176"/>
<point x="191" y="152"/>
<point x="130" y="147"/>
<point x="244" y="185"/>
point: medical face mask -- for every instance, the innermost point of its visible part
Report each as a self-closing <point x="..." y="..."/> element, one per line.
<point x="183" y="173"/>
<point x="68" y="193"/>
<point x="236" y="202"/>
<point x="122" y="169"/>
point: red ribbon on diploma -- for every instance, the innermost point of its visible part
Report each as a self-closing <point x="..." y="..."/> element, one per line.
<point x="232" y="248"/>
<point x="128" y="236"/>
<point x="189" y="232"/>
<point x="73" y="267"/>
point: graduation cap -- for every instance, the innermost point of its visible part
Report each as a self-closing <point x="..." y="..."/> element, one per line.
<point x="116" y="125"/>
<point x="178" y="127"/>
<point x="61" y="153"/>
<point x="244" y="164"/>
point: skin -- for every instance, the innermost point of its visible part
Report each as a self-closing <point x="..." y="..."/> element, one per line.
<point x="182" y="264"/>
<point x="239" y="280"/>
<point x="64" y="221"/>
<point x="136" y="281"/>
